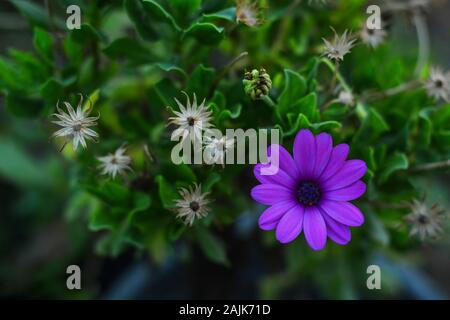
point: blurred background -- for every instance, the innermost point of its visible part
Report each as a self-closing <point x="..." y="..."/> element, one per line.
<point x="42" y="229"/>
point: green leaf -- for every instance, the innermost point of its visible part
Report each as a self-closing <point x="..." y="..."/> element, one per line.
<point x="206" y="33"/>
<point x="398" y="161"/>
<point x="294" y="89"/>
<point x="228" y="14"/>
<point x="51" y="90"/>
<point x="425" y="130"/>
<point x="186" y="8"/>
<point x="167" y="193"/>
<point x="22" y="106"/>
<point x="141" y="19"/>
<point x="300" y="121"/>
<point x="18" y="167"/>
<point x="232" y="113"/>
<point x="43" y="43"/>
<point x="212" y="246"/>
<point x="112" y="193"/>
<point x="128" y="49"/>
<point x="35" y="13"/>
<point x="442" y="139"/>
<point x="212" y="179"/>
<point x="377" y="230"/>
<point x="200" y="81"/>
<point x="141" y="202"/>
<point x="175" y="231"/>
<point x="157" y="13"/>
<point x="308" y="106"/>
<point x="85" y="34"/>
<point x="169" y="67"/>
<point x="373" y="125"/>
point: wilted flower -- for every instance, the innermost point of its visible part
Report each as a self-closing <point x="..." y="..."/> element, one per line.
<point x="337" y="48"/>
<point x="426" y="222"/>
<point x="257" y="83"/>
<point x="75" y="124"/>
<point x="248" y="12"/>
<point x="193" y="205"/>
<point x="115" y="163"/>
<point x="192" y="119"/>
<point x="346" y="98"/>
<point x="311" y="191"/>
<point x="216" y="149"/>
<point x="438" y="84"/>
<point x="372" y="37"/>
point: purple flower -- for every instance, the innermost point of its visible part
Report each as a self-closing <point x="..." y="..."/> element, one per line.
<point x="311" y="192"/>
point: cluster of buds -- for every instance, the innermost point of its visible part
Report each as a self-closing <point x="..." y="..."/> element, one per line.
<point x="257" y="83"/>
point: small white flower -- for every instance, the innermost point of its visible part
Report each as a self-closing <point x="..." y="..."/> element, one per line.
<point x="193" y="204"/>
<point x="216" y="149"/>
<point x="346" y="98"/>
<point x="192" y="119"/>
<point x="425" y="222"/>
<point x="115" y="163"/>
<point x="438" y="84"/>
<point x="372" y="37"/>
<point x="337" y="48"/>
<point x="75" y="124"/>
<point x="248" y="12"/>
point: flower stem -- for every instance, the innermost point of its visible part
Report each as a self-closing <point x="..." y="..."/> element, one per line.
<point x="431" y="166"/>
<point x="423" y="39"/>
<point x="407" y="86"/>
<point x="336" y="73"/>
<point x="268" y="101"/>
<point x="224" y="71"/>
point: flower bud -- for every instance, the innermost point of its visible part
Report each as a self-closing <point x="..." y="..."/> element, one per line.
<point x="257" y="83"/>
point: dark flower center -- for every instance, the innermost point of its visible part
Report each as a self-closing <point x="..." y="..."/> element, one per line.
<point x="191" y="121"/>
<point x="308" y="193"/>
<point x="194" y="206"/>
<point x="439" y="83"/>
<point x="77" y="127"/>
<point x="423" y="219"/>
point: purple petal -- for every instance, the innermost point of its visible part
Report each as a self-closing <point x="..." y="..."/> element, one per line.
<point x="271" y="216"/>
<point x="290" y="225"/>
<point x="336" y="231"/>
<point x="281" y="177"/>
<point x="314" y="228"/>
<point x="337" y="160"/>
<point x="348" y="193"/>
<point x="305" y="153"/>
<point x="286" y="162"/>
<point x="343" y="212"/>
<point x="351" y="171"/>
<point x="324" y="146"/>
<point x="270" y="194"/>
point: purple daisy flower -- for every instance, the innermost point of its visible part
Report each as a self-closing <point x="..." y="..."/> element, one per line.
<point x="311" y="192"/>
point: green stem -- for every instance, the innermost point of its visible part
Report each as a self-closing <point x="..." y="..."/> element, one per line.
<point x="269" y="101"/>
<point x="336" y="73"/>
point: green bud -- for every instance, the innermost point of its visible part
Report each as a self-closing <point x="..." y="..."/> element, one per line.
<point x="257" y="83"/>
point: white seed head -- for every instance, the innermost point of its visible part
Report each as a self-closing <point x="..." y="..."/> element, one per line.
<point x="193" y="204"/>
<point x="192" y="119"/>
<point x="75" y="124"/>
<point x="438" y="84"/>
<point x="339" y="46"/>
<point x="115" y="163"/>
<point x="425" y="222"/>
